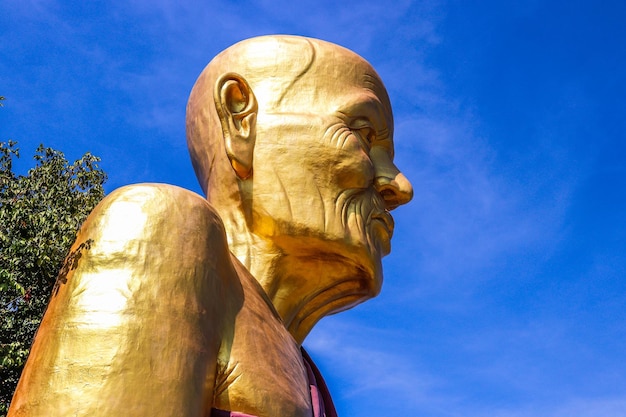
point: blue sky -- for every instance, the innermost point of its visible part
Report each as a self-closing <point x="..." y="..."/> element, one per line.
<point x="505" y="293"/>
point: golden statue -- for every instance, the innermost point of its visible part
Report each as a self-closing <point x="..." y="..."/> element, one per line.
<point x="174" y="305"/>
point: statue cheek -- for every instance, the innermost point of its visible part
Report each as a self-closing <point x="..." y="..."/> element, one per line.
<point x="356" y="171"/>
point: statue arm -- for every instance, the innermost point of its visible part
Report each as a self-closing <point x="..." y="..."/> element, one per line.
<point x="142" y="305"/>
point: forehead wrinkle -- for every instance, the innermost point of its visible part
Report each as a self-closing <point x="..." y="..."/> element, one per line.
<point x="300" y="74"/>
<point x="369" y="104"/>
<point x="373" y="83"/>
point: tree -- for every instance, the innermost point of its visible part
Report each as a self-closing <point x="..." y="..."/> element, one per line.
<point x="40" y="214"/>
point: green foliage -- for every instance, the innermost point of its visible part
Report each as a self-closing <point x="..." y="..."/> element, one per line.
<point x="40" y="214"/>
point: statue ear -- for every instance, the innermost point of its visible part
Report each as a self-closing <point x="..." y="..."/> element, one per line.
<point x="237" y="108"/>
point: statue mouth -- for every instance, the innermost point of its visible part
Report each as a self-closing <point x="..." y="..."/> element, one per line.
<point x="382" y="226"/>
<point x="386" y="219"/>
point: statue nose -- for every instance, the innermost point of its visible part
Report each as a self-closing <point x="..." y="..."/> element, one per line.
<point x="392" y="185"/>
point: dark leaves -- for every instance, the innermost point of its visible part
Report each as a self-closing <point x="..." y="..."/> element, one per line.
<point x="39" y="215"/>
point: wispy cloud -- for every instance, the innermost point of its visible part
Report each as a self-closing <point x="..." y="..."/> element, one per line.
<point x="500" y="377"/>
<point x="369" y="368"/>
<point x="580" y="407"/>
<point x="467" y="214"/>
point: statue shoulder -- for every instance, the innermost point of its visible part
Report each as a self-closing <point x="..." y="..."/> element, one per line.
<point x="154" y="230"/>
<point x="156" y="213"/>
<point x="149" y="276"/>
<point x="156" y="200"/>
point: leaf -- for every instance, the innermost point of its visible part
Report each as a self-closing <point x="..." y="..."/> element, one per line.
<point x="40" y="213"/>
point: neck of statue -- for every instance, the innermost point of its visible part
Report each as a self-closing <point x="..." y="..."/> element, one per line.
<point x="303" y="288"/>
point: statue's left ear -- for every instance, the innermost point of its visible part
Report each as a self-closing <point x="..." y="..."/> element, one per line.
<point x="237" y="108"/>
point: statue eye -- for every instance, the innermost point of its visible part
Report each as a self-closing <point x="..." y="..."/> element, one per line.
<point x="365" y="132"/>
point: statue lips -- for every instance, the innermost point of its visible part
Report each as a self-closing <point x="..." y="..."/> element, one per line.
<point x="383" y="220"/>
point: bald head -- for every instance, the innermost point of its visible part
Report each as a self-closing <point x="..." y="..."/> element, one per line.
<point x="283" y="74"/>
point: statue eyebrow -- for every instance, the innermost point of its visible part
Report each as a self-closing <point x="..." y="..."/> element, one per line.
<point x="375" y="84"/>
<point x="369" y="106"/>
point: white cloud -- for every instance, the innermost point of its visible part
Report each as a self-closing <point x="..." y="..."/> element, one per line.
<point x="367" y="365"/>
<point x="466" y="215"/>
<point x="578" y="407"/>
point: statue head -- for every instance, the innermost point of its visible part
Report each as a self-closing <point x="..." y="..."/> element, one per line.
<point x="292" y="141"/>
